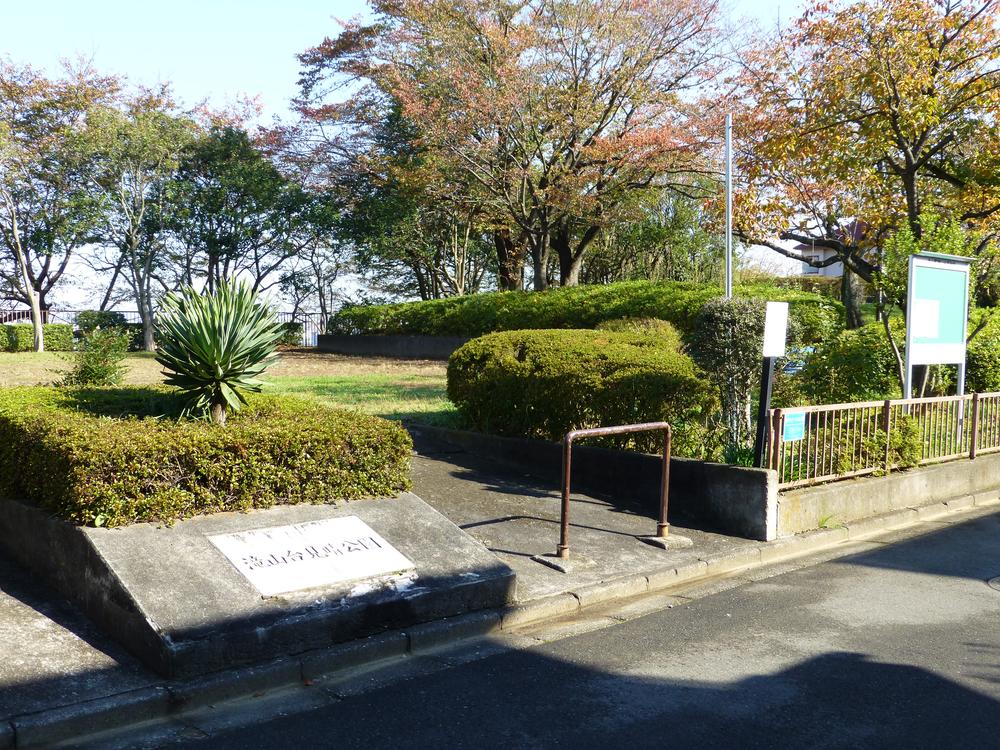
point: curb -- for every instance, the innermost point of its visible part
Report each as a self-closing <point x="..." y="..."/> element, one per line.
<point x="168" y="700"/>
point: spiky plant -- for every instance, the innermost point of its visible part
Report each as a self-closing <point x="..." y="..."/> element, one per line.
<point x="216" y="345"/>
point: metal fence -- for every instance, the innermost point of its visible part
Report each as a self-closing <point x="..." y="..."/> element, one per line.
<point x="813" y="444"/>
<point x="313" y="324"/>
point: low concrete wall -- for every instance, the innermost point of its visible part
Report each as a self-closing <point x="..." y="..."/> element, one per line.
<point x="171" y="598"/>
<point x="851" y="499"/>
<point x="404" y="347"/>
<point x="731" y="499"/>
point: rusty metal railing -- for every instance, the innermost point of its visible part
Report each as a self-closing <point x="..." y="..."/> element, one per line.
<point x="837" y="441"/>
<point x="662" y="527"/>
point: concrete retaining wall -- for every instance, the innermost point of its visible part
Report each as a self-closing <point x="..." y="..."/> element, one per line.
<point x="731" y="499"/>
<point x="403" y="347"/>
<point x="171" y="598"/>
<point x="848" y="500"/>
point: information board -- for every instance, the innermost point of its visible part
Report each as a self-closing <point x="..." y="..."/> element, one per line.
<point x="937" y="308"/>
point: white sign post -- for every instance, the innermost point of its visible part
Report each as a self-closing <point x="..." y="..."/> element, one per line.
<point x="775" y="338"/>
<point x="332" y="551"/>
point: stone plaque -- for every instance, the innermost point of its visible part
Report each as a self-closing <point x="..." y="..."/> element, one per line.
<point x="333" y="551"/>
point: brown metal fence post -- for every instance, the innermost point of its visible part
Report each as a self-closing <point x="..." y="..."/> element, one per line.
<point x="887" y="426"/>
<point x="776" y="441"/>
<point x="562" y="549"/>
<point x="662" y="527"/>
<point x="974" y="438"/>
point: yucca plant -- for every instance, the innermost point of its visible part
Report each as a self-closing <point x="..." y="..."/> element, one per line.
<point x="216" y="345"/>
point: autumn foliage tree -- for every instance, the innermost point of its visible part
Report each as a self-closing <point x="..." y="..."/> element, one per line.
<point x="861" y="117"/>
<point x="551" y="114"/>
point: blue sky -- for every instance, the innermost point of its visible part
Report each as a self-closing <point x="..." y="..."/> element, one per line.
<point x="208" y="49"/>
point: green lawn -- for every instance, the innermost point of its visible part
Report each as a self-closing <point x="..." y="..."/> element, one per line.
<point x="395" y="389"/>
<point x="414" y="398"/>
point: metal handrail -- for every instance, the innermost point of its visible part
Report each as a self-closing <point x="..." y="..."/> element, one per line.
<point x="662" y="527"/>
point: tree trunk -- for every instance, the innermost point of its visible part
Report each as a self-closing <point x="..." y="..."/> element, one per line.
<point x="510" y="262"/>
<point x="218" y="411"/>
<point x="22" y="267"/>
<point x="540" y="260"/>
<point x="852" y="295"/>
<point x="148" y="326"/>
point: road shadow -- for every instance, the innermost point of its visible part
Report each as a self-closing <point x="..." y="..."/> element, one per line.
<point x="526" y="699"/>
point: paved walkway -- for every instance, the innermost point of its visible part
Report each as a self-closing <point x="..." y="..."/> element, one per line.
<point x="51" y="655"/>
<point x="517" y="517"/>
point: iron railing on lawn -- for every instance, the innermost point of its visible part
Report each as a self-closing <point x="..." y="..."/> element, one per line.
<point x="813" y="444"/>
<point x="313" y="324"/>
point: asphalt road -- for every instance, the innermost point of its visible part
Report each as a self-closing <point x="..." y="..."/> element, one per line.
<point x="897" y="646"/>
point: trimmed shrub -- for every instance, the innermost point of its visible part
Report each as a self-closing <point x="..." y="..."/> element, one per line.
<point x="117" y="456"/>
<point x="856" y="366"/>
<point x="4" y="339"/>
<point x="541" y="384"/>
<point x="728" y="345"/>
<point x="654" y="327"/>
<point x="88" y="320"/>
<point x="99" y="360"/>
<point x="575" y="307"/>
<point x="982" y="372"/>
<point x="58" y="337"/>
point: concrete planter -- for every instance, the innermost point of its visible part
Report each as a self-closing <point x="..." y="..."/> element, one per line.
<point x="171" y="598"/>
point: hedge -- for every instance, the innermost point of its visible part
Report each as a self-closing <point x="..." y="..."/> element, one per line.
<point x="58" y="337"/>
<point x="4" y="339"/>
<point x="104" y="457"/>
<point x="88" y="320"/>
<point x="575" y="307"/>
<point x="292" y="334"/>
<point x="541" y="384"/>
<point x="983" y="358"/>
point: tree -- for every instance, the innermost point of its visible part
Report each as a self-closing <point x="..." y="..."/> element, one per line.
<point x="669" y="241"/>
<point x="136" y="146"/>
<point x="862" y="116"/>
<point x="234" y="210"/>
<point x="47" y="211"/>
<point x="557" y="111"/>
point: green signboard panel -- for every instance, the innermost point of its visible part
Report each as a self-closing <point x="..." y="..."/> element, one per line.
<point x="939" y="304"/>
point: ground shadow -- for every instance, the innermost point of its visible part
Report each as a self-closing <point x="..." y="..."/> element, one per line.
<point x="527" y="699"/>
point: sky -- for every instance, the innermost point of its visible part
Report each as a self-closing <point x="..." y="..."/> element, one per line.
<point x="219" y="50"/>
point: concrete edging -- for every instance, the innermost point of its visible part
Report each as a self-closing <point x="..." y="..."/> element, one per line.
<point x="170" y="700"/>
<point x="402" y="347"/>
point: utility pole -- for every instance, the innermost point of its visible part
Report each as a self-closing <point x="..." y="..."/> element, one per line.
<point x="729" y="206"/>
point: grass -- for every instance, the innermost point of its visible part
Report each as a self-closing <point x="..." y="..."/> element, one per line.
<point x="411" y="390"/>
<point x="412" y="398"/>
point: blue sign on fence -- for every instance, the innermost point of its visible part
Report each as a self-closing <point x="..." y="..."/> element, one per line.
<point x="795" y="427"/>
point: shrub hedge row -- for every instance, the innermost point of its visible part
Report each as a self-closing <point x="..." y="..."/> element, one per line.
<point x="116" y="456"/>
<point x="20" y="337"/>
<point x="543" y="383"/>
<point x="575" y="307"/>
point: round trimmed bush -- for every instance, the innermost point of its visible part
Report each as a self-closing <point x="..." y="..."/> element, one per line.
<point x="665" y="332"/>
<point x="543" y="383"/>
